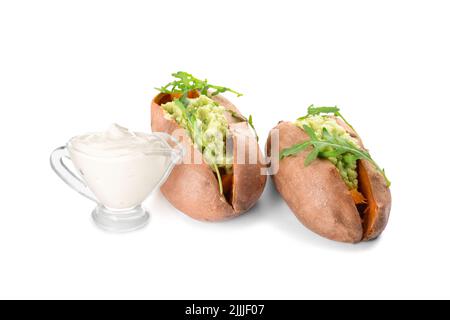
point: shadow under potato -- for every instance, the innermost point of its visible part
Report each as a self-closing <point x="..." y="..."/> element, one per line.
<point x="280" y="217"/>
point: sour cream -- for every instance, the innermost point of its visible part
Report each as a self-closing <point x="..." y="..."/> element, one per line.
<point x="116" y="141"/>
<point x="120" y="167"/>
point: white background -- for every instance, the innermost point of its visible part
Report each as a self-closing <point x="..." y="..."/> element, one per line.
<point x="68" y="67"/>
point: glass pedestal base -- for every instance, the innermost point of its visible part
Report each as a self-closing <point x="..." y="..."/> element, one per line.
<point x="120" y="220"/>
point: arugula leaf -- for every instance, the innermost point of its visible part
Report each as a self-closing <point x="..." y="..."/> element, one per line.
<point x="310" y="132"/>
<point x="180" y="105"/>
<point x="184" y="100"/>
<point x="292" y="151"/>
<point x="196" y="131"/>
<point x="219" y="178"/>
<point x="186" y="82"/>
<point x="318" y="110"/>
<point x="312" y="156"/>
<point x="330" y="146"/>
<point x="313" y="111"/>
<point x="237" y="115"/>
<point x="249" y="121"/>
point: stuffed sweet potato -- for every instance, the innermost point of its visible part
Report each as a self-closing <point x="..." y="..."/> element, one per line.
<point x="220" y="176"/>
<point x="329" y="179"/>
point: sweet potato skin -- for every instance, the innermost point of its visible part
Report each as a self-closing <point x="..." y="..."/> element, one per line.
<point x="317" y="194"/>
<point x="248" y="180"/>
<point x="193" y="188"/>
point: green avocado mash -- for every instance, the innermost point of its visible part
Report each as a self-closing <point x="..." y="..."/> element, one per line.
<point x="204" y="119"/>
<point x="346" y="163"/>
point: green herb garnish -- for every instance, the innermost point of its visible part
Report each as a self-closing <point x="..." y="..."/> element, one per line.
<point x="329" y="146"/>
<point x="219" y="178"/>
<point x="314" y="111"/>
<point x="249" y="121"/>
<point x="186" y="82"/>
<point x="183" y="84"/>
<point x="237" y="116"/>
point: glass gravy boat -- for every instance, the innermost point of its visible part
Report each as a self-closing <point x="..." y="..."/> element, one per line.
<point x="119" y="183"/>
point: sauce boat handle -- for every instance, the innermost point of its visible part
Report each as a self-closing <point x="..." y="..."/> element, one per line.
<point x="68" y="176"/>
<point x="177" y="153"/>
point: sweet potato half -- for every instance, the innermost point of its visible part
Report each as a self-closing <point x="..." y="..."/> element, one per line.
<point x="193" y="188"/>
<point x="320" y="198"/>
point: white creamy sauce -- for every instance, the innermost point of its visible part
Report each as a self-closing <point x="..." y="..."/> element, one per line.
<point x="115" y="141"/>
<point x="120" y="167"/>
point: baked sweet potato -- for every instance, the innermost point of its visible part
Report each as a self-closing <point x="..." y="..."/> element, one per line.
<point x="193" y="188"/>
<point x="318" y="195"/>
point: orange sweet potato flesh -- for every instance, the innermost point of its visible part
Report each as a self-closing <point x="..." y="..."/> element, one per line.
<point x="370" y="214"/>
<point x="365" y="200"/>
<point x="358" y="197"/>
<point x="227" y="184"/>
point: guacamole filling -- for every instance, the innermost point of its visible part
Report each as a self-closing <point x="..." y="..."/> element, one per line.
<point x="204" y="120"/>
<point x="345" y="163"/>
